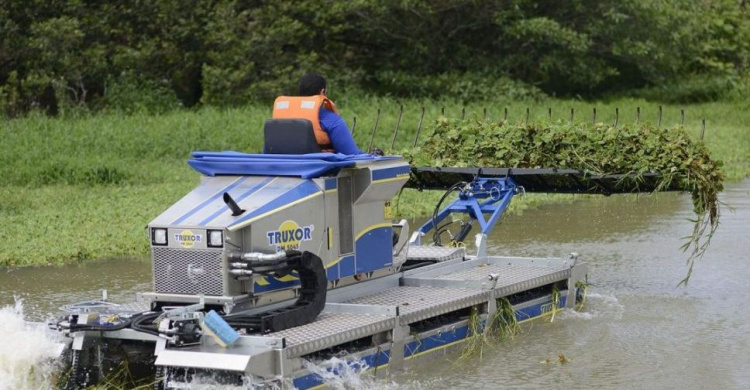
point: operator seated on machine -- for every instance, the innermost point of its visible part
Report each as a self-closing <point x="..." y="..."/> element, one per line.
<point x="331" y="131"/>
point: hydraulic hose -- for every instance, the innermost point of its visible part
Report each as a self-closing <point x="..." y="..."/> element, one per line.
<point x="138" y="323"/>
<point x="82" y="327"/>
<point x="437" y="230"/>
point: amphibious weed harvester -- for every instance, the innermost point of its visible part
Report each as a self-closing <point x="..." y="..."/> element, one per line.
<point x="281" y="259"/>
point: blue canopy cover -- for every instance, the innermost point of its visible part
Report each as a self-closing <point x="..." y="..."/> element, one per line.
<point x="296" y="165"/>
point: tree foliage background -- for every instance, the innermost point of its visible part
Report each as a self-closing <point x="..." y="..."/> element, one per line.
<point x="160" y="54"/>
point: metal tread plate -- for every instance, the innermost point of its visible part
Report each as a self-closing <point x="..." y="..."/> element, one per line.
<point x="419" y="303"/>
<point x="511" y="287"/>
<point x="331" y="329"/>
<point x="434" y="253"/>
<point x="507" y="273"/>
<point x="512" y="278"/>
<point x="135" y="307"/>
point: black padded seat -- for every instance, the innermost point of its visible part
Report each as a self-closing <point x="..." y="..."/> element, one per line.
<point x="289" y="136"/>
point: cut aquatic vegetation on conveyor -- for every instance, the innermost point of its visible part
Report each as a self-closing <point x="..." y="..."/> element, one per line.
<point x="683" y="164"/>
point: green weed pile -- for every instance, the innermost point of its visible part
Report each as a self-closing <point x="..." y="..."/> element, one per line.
<point x="683" y="163"/>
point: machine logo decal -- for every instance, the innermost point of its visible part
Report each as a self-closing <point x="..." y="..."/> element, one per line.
<point x="289" y="235"/>
<point x="187" y="239"/>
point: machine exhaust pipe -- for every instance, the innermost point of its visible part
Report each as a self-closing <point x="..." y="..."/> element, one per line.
<point x="236" y="210"/>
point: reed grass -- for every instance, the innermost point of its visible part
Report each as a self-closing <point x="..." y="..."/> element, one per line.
<point x="475" y="337"/>
<point x="583" y="286"/>
<point x="499" y="326"/>
<point x="505" y="320"/>
<point x="555" y="296"/>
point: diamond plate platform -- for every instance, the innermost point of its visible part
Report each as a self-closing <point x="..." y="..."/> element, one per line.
<point x="329" y="330"/>
<point x="419" y="303"/>
<point x="136" y="307"/>
<point x="392" y="303"/>
<point x="434" y="253"/>
<point x="508" y="273"/>
<point x="512" y="278"/>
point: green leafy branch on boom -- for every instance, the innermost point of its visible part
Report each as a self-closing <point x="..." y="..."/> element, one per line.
<point x="596" y="149"/>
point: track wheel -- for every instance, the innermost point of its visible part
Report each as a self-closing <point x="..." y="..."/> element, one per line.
<point x="80" y="375"/>
<point x="160" y="378"/>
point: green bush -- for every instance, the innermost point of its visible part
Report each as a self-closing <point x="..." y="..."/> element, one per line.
<point x="70" y="56"/>
<point x="130" y="93"/>
<point x="466" y="87"/>
<point x="696" y="89"/>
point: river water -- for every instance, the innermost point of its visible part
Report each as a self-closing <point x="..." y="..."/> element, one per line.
<point x="638" y="329"/>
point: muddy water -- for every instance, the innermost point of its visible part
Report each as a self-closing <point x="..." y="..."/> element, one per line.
<point x="638" y="329"/>
<point x="43" y="290"/>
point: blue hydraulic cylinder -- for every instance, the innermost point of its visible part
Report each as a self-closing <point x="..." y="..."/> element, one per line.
<point x="483" y="196"/>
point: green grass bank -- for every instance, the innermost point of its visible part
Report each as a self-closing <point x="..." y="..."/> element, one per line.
<point x="84" y="187"/>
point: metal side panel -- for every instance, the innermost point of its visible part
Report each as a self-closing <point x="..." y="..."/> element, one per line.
<point x="444" y="268"/>
<point x="509" y="276"/>
<point x="427" y="268"/>
<point x="506" y="274"/>
<point x="228" y="302"/>
<point x="348" y="308"/>
<point x="138" y="306"/>
<point x="357" y="290"/>
<point x="129" y="334"/>
<point x="528" y="284"/>
<point x="420" y="303"/>
<point x="485" y="284"/>
<point x="434" y="253"/>
<point x="569" y="261"/>
<point x="331" y="329"/>
<point x="451" y="267"/>
<point x="258" y="356"/>
<point x="345" y="228"/>
<point x="418" y="348"/>
<point x="506" y="284"/>
<point x="203" y="360"/>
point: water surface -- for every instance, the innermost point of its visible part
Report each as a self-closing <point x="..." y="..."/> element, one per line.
<point x="638" y="330"/>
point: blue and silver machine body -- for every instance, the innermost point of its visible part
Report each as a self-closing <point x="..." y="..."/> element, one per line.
<point x="338" y="212"/>
<point x="388" y="299"/>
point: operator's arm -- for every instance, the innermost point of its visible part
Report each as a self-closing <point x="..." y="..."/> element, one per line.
<point x="338" y="133"/>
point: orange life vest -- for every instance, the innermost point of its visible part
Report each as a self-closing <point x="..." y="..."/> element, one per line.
<point x="306" y="107"/>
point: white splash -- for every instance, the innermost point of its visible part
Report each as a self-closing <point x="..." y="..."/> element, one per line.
<point x="338" y="373"/>
<point x="575" y="314"/>
<point x="597" y="306"/>
<point x="28" y="352"/>
<point x="213" y="381"/>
